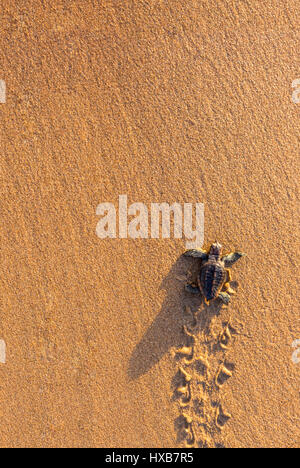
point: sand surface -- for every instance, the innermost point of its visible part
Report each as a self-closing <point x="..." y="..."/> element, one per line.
<point x="165" y="101"/>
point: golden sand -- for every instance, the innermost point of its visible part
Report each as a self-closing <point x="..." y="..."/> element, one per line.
<point x="163" y="101"/>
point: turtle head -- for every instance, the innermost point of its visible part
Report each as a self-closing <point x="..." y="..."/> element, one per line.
<point x="215" y="250"/>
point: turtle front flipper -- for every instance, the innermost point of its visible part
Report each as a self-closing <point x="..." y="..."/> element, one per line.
<point x="192" y="289"/>
<point x="224" y="297"/>
<point x="231" y="258"/>
<point x="196" y="253"/>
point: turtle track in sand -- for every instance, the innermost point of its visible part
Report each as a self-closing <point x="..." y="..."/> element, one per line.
<point x="202" y="373"/>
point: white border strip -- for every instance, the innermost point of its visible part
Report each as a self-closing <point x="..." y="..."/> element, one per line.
<point x="2" y="352"/>
<point x="2" y="92"/>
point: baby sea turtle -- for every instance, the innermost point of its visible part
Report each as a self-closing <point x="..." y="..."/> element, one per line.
<point x="214" y="273"/>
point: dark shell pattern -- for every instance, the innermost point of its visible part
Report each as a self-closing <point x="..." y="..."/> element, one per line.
<point x="211" y="279"/>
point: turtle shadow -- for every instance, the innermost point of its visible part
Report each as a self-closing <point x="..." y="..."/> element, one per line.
<point x="166" y="331"/>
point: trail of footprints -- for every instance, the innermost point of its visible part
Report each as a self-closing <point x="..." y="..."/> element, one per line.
<point x="202" y="372"/>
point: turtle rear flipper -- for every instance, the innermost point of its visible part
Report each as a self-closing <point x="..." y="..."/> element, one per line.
<point x="196" y="253"/>
<point x="231" y="258"/>
<point x="224" y="297"/>
<point x="192" y="289"/>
